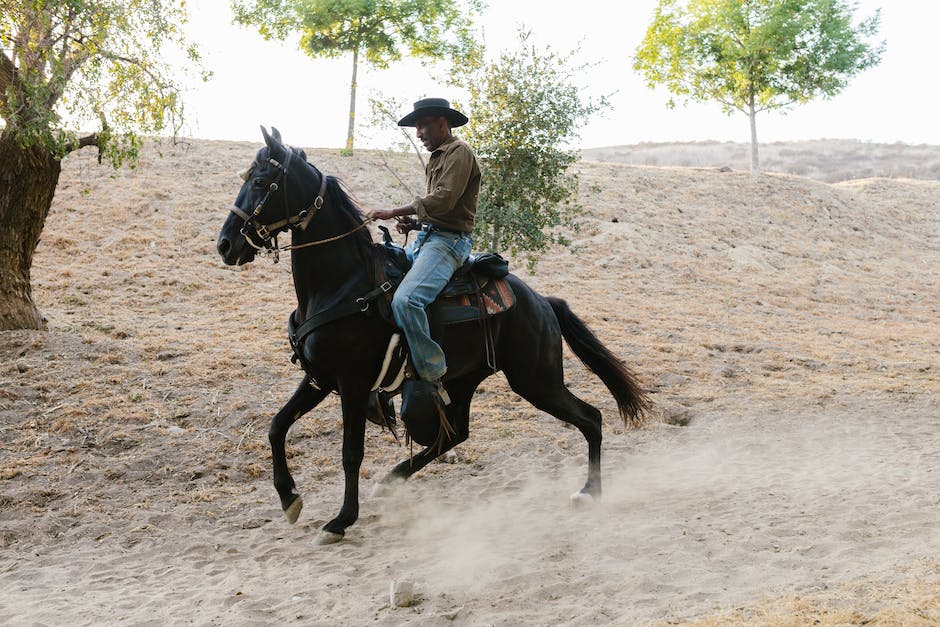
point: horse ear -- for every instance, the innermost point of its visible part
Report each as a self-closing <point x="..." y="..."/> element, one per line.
<point x="277" y="135"/>
<point x="275" y="147"/>
<point x="267" y="138"/>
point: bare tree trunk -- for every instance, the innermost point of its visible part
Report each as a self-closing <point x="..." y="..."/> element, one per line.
<point x="352" y="102"/>
<point x="755" y="158"/>
<point x="27" y="185"/>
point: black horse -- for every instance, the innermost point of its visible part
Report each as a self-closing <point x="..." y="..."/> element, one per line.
<point x="334" y="268"/>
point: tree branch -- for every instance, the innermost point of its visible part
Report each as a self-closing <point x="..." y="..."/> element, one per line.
<point x="156" y="78"/>
<point x="783" y="105"/>
<point x="88" y="140"/>
<point x="713" y="94"/>
<point x="388" y="166"/>
<point x="7" y="74"/>
<point x="70" y="63"/>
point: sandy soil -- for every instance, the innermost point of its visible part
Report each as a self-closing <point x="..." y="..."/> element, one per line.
<point x="786" y="328"/>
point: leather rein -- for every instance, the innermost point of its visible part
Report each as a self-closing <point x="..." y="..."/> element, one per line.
<point x="267" y="233"/>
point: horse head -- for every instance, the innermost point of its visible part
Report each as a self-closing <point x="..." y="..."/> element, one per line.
<point x="274" y="197"/>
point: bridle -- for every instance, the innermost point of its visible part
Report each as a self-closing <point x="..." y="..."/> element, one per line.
<point x="267" y="233"/>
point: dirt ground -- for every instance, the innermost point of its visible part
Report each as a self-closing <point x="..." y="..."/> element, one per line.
<point x="787" y="330"/>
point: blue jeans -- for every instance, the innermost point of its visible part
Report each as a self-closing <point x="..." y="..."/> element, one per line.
<point x="435" y="256"/>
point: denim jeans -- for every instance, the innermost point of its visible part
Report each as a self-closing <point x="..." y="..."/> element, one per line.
<point x="435" y="256"/>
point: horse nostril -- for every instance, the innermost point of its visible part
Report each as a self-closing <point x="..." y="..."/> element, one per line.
<point x="224" y="246"/>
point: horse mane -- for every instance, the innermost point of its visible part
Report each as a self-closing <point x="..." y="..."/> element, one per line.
<point x="342" y="200"/>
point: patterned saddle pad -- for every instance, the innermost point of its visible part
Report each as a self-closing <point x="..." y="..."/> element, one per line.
<point x="494" y="297"/>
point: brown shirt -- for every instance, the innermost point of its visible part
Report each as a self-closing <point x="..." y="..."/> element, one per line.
<point x="453" y="187"/>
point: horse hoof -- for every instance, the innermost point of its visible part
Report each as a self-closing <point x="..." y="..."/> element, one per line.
<point x="292" y="513"/>
<point x="582" y="500"/>
<point x="449" y="457"/>
<point x="327" y="537"/>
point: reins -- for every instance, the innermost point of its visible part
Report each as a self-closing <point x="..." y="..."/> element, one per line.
<point x="290" y="247"/>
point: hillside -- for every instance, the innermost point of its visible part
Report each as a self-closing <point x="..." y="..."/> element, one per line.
<point x="786" y="328"/>
<point x="828" y="160"/>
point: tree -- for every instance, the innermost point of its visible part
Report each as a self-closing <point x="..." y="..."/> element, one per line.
<point x="525" y="110"/>
<point x="756" y="55"/>
<point x="91" y="63"/>
<point x="379" y="30"/>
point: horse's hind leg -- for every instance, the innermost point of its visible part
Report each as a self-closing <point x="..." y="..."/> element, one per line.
<point x="544" y="387"/>
<point x="303" y="400"/>
<point x="461" y="392"/>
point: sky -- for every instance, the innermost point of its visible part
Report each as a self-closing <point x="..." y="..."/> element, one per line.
<point x="274" y="84"/>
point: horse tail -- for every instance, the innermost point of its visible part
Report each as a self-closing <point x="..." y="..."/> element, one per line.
<point x="632" y="400"/>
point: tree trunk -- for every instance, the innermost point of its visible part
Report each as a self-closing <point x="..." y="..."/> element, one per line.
<point x="755" y="158"/>
<point x="497" y="235"/>
<point x="352" y="103"/>
<point x="28" y="181"/>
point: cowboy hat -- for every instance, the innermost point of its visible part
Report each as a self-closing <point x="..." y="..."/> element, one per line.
<point x="434" y="107"/>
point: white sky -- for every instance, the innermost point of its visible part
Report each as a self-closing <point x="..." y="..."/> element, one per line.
<point x="274" y="84"/>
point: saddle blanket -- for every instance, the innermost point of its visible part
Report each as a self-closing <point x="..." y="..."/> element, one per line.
<point x="494" y="297"/>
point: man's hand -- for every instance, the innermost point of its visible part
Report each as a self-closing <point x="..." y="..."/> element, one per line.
<point x="381" y="214"/>
<point x="402" y="214"/>
<point x="405" y="224"/>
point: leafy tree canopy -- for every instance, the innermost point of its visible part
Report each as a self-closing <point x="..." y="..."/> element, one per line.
<point x="383" y="30"/>
<point x="755" y="55"/>
<point x="779" y="51"/>
<point x="98" y="64"/>
<point x="525" y="111"/>
<point x="380" y="31"/>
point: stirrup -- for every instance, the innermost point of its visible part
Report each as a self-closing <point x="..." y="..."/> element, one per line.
<point x="422" y="412"/>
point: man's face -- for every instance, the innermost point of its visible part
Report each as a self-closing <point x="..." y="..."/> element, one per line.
<point x="432" y="131"/>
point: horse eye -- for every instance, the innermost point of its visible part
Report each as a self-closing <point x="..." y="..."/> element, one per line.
<point x="258" y="182"/>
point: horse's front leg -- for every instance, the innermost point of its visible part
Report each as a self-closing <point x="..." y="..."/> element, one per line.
<point x="354" y="431"/>
<point x="303" y="400"/>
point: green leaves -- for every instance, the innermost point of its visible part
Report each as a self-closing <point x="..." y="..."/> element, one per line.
<point x="779" y="51"/>
<point x="755" y="55"/>
<point x="379" y="31"/>
<point x="525" y="110"/>
<point x="76" y="63"/>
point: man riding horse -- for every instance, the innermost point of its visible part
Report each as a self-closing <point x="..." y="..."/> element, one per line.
<point x="445" y="216"/>
<point x="342" y="343"/>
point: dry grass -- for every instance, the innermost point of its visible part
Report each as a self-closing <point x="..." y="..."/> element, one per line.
<point x="826" y="160"/>
<point x="913" y="600"/>
<point x="139" y="419"/>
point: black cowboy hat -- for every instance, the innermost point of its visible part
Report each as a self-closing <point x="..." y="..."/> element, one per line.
<point x="434" y="107"/>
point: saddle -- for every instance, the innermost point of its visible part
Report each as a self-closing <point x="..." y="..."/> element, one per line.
<point x="477" y="290"/>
